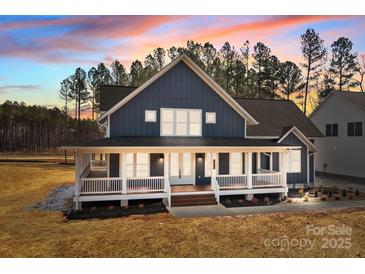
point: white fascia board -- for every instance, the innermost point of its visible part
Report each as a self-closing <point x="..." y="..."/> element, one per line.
<point x="301" y="137"/>
<point x="205" y="77"/>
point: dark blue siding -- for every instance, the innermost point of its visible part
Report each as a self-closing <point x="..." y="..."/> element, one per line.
<point x="294" y="178"/>
<point x="254" y="162"/>
<point x="156" y="164"/>
<point x="114" y="165"/>
<point x="178" y="88"/>
<point x="275" y="161"/>
<point x="311" y="168"/>
<point x="265" y="161"/>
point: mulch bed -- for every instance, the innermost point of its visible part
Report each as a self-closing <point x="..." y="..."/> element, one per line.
<point x="240" y="201"/>
<point x="114" y="211"/>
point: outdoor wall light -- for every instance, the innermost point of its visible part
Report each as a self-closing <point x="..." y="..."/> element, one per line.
<point x="200" y="157"/>
<point x="161" y="157"/>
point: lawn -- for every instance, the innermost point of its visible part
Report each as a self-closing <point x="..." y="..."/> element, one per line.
<point x="36" y="233"/>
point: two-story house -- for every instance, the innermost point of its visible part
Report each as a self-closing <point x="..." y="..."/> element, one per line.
<point x="341" y="117"/>
<point x="181" y="138"/>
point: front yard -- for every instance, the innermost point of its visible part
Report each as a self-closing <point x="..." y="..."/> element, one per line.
<point x="29" y="232"/>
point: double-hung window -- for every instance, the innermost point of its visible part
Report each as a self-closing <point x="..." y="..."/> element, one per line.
<point x="354" y="129"/>
<point x="332" y="130"/>
<point x="294" y="161"/>
<point x="181" y="122"/>
<point x="137" y="165"/>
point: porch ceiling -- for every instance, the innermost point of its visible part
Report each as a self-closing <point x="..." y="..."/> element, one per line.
<point x="167" y="144"/>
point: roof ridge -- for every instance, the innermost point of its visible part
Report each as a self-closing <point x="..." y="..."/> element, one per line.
<point x="122" y="86"/>
<point x="261" y="99"/>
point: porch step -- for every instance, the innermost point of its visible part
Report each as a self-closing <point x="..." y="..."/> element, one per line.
<point x="193" y="200"/>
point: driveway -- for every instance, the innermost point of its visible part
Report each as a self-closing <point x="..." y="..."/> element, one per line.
<point x="341" y="182"/>
<point x="219" y="210"/>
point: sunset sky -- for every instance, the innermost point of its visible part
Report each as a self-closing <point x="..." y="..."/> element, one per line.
<point x="37" y="52"/>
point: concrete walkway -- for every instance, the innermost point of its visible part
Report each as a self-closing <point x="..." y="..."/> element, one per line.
<point x="219" y="210"/>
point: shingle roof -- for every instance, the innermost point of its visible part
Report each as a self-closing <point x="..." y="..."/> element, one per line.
<point x="110" y="95"/>
<point x="275" y="115"/>
<point x="142" y="141"/>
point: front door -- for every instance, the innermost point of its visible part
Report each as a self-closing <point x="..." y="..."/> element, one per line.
<point x="200" y="169"/>
<point x="181" y="168"/>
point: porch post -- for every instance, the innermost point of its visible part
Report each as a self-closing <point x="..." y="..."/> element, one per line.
<point x="124" y="173"/>
<point x="248" y="166"/>
<point x="107" y="156"/>
<point x="166" y="167"/>
<point x="271" y="161"/>
<point x="258" y="161"/>
<point x="77" y="180"/>
<point x="214" y="164"/>
<point x="282" y="166"/>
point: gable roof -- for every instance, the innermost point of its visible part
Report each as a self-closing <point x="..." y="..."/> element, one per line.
<point x="274" y="116"/>
<point x="300" y="135"/>
<point x="205" y="77"/>
<point x="110" y="95"/>
<point x="355" y="98"/>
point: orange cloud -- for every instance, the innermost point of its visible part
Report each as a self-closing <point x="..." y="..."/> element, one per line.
<point x="273" y="23"/>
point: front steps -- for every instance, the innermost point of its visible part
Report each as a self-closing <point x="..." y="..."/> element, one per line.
<point x="193" y="200"/>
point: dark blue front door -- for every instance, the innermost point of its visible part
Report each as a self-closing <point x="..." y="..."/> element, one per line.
<point x="200" y="178"/>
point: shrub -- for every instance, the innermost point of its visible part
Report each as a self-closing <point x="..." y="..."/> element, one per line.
<point x="267" y="200"/>
<point x="306" y="198"/>
<point x="357" y="193"/>
<point x="337" y="197"/>
<point x="329" y="194"/>
<point x="141" y="205"/>
<point x="351" y="196"/>
<point x="323" y="198"/>
<point x="344" y="192"/>
<point x="316" y="193"/>
<point x="254" y="200"/>
<point x="320" y="188"/>
<point x="301" y="193"/>
<point x="351" y="190"/>
<point x="335" y="190"/>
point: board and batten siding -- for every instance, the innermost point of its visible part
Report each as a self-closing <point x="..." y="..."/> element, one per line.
<point x="180" y="87"/>
<point x="295" y="178"/>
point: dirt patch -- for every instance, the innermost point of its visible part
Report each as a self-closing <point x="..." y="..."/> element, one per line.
<point x="59" y="199"/>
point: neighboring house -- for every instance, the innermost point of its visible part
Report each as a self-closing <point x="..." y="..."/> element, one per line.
<point x="181" y="138"/>
<point x="341" y="117"/>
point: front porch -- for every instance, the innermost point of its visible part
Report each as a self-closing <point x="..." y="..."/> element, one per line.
<point x="129" y="176"/>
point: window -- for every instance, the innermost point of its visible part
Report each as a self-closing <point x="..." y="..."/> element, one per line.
<point x="210" y="118"/>
<point x="181" y="122"/>
<point x="150" y="115"/>
<point x="208" y="164"/>
<point x="235" y="163"/>
<point x="137" y="165"/>
<point x="354" y="129"/>
<point x="294" y="161"/>
<point x="332" y="130"/>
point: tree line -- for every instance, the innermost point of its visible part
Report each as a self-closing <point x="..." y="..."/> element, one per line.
<point x="37" y="128"/>
<point x="247" y="71"/>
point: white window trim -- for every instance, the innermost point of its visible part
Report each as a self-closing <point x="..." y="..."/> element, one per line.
<point x="146" y="115"/>
<point x="188" y="122"/>
<point x="135" y="165"/>
<point x="207" y="120"/>
<point x="289" y="159"/>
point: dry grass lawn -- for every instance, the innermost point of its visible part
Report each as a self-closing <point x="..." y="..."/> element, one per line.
<point x="36" y="233"/>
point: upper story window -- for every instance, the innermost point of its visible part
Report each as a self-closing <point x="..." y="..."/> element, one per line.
<point x="150" y="116"/>
<point x="354" y="129"/>
<point x="181" y="122"/>
<point x="332" y="130"/>
<point x="210" y="118"/>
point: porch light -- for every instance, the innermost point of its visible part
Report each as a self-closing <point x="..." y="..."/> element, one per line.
<point x="200" y="157"/>
<point x="161" y="157"/>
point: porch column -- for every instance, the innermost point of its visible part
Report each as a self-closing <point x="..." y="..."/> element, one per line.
<point x="271" y="161"/>
<point x="283" y="158"/>
<point x="166" y="168"/>
<point x="124" y="173"/>
<point x="258" y="161"/>
<point x="214" y="164"/>
<point x="107" y="156"/>
<point x="248" y="166"/>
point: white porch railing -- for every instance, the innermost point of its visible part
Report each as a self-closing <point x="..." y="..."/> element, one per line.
<point x="266" y="179"/>
<point x="215" y="188"/>
<point x="149" y="184"/>
<point x="100" y="185"/>
<point x="232" y="181"/>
